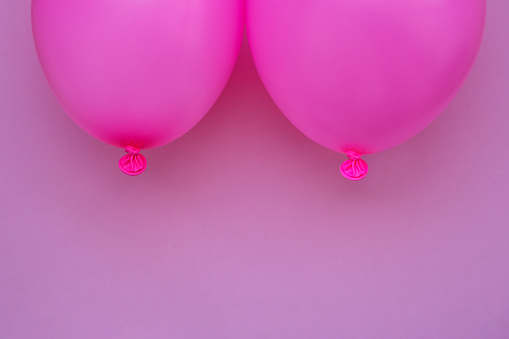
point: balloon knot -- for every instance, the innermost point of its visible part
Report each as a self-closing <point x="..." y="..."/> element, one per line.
<point x="132" y="150"/>
<point x="354" y="168"/>
<point x="133" y="163"/>
<point x="353" y="155"/>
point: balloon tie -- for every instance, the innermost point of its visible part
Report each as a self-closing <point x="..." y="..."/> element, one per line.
<point x="354" y="168"/>
<point x="353" y="155"/>
<point x="133" y="163"/>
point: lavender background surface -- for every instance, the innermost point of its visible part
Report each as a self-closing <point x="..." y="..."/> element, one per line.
<point x="244" y="228"/>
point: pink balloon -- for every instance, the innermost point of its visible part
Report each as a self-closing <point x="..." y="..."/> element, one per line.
<point x="137" y="74"/>
<point x="363" y="76"/>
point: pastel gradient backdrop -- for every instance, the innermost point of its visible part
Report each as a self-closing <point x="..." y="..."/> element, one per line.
<point x="244" y="228"/>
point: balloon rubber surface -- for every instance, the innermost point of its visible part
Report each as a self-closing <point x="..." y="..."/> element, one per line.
<point x="364" y="74"/>
<point x="137" y="72"/>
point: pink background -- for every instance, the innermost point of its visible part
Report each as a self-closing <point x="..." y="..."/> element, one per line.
<point x="244" y="228"/>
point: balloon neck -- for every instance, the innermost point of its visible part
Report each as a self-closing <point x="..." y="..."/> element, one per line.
<point x="354" y="168"/>
<point x="354" y="155"/>
<point x="133" y="163"/>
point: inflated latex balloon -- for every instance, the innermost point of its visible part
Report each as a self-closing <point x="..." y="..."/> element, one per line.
<point x="137" y="74"/>
<point x="363" y="76"/>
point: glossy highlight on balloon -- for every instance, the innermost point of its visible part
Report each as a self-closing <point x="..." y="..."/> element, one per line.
<point x="137" y="73"/>
<point x="366" y="75"/>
